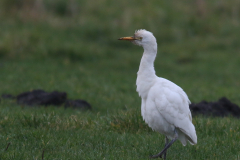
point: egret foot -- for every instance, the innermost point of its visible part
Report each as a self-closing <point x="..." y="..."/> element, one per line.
<point x="164" y="151"/>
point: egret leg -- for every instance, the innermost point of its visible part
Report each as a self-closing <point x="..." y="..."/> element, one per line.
<point x="165" y="153"/>
<point x="166" y="147"/>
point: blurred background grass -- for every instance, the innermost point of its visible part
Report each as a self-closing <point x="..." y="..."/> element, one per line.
<point x="37" y="27"/>
<point x="72" y="46"/>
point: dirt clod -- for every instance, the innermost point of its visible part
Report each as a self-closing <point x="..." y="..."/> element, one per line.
<point x="40" y="97"/>
<point x="78" y="104"/>
<point x="221" y="108"/>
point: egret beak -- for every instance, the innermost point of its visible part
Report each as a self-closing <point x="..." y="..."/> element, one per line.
<point x="127" y="38"/>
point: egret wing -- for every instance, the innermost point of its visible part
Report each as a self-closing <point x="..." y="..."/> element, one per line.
<point x="173" y="104"/>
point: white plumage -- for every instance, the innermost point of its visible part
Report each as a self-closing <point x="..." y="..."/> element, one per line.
<point x="165" y="106"/>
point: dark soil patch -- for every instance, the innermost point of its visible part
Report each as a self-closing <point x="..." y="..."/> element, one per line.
<point x="43" y="98"/>
<point x="78" y="104"/>
<point x="40" y="97"/>
<point x="221" y="108"/>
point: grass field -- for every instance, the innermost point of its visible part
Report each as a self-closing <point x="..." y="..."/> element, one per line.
<point x="73" y="47"/>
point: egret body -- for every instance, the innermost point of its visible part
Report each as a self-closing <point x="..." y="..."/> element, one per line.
<point x="165" y="106"/>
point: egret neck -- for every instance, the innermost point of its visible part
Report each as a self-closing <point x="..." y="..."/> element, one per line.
<point x="146" y="74"/>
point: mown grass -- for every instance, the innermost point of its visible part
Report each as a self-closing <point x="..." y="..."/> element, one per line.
<point x="64" y="134"/>
<point x="56" y="47"/>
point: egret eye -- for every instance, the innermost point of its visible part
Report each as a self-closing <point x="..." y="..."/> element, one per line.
<point x="138" y="38"/>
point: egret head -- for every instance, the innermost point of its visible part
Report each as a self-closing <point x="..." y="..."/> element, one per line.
<point x="142" y="38"/>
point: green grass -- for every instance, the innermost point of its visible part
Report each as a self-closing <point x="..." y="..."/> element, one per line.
<point x="65" y="134"/>
<point x="77" y="51"/>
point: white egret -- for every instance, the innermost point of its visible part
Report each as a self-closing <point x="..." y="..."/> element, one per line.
<point x="165" y="106"/>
